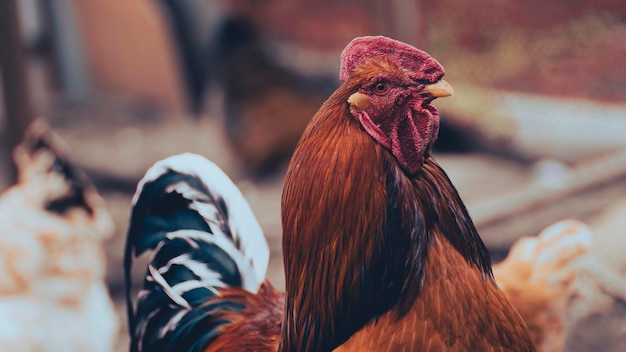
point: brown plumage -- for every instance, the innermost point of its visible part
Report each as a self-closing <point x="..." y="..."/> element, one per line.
<point x="369" y="246"/>
<point x="380" y="253"/>
<point x="257" y="328"/>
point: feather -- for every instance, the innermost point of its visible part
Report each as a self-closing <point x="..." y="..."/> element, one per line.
<point x="204" y="238"/>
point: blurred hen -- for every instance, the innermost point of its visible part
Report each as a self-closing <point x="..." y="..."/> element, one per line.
<point x="266" y="102"/>
<point x="537" y="275"/>
<point x="556" y="284"/>
<point x="266" y="105"/>
<point x="52" y="294"/>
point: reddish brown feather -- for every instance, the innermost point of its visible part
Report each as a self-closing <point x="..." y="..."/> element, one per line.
<point x="323" y="226"/>
<point x="257" y="327"/>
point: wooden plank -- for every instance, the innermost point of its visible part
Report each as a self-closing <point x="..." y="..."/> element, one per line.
<point x="501" y="218"/>
<point x="18" y="114"/>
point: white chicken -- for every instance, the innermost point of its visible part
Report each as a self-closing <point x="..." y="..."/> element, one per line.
<point x="52" y="265"/>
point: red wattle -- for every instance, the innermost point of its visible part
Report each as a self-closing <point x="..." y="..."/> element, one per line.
<point x="409" y="138"/>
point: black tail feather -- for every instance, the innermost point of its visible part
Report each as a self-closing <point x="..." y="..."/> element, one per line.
<point x="203" y="237"/>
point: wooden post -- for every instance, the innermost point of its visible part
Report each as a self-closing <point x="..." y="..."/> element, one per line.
<point x="18" y="114"/>
<point x="382" y="15"/>
<point x="400" y="19"/>
<point x="408" y="22"/>
<point x="67" y="49"/>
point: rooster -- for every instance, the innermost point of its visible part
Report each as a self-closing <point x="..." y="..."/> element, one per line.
<point x="52" y="291"/>
<point x="380" y="253"/>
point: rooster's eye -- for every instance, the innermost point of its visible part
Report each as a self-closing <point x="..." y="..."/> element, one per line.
<point x="381" y="88"/>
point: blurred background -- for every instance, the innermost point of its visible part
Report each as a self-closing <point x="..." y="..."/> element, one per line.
<point x="535" y="133"/>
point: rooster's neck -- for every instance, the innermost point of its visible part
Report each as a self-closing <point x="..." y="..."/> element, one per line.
<point x="357" y="230"/>
<point x="444" y="213"/>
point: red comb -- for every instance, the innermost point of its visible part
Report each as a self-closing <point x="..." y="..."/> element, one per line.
<point x="360" y="49"/>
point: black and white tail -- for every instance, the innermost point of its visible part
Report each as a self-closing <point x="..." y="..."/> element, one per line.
<point x="204" y="237"/>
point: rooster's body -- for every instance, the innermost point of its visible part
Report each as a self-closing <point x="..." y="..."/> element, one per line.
<point x="380" y="252"/>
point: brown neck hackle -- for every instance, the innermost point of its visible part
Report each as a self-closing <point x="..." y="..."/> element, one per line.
<point x="330" y="229"/>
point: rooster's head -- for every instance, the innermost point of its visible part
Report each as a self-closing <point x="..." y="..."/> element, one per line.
<point x="395" y="85"/>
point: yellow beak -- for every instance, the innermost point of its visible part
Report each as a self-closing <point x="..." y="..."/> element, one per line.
<point x="440" y="89"/>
